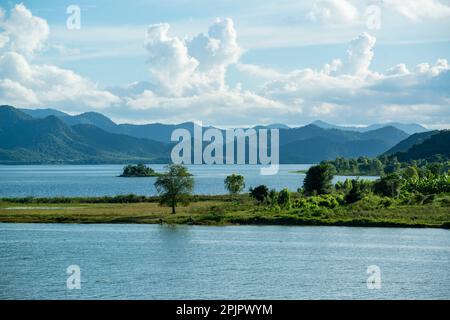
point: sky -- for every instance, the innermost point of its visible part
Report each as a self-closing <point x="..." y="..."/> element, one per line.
<point x="230" y="63"/>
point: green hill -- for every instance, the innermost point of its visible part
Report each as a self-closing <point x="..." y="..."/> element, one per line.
<point x="49" y="140"/>
<point x="437" y="145"/>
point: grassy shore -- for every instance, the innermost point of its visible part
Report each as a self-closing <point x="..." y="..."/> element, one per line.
<point x="215" y="210"/>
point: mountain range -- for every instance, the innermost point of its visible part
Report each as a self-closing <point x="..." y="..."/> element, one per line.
<point x="52" y="136"/>
<point x="409" y="128"/>
<point x="24" y="139"/>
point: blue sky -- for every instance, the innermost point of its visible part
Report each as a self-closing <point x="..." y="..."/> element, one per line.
<point x="264" y="62"/>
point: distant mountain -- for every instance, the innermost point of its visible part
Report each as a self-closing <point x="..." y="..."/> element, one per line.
<point x="154" y="131"/>
<point x="44" y="113"/>
<point x="437" y="144"/>
<point x="272" y="126"/>
<point x="307" y="144"/>
<point x="414" y="139"/>
<point x="312" y="144"/>
<point x="409" y="128"/>
<point x="49" y="140"/>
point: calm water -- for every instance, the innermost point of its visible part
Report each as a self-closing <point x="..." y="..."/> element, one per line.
<point x="189" y="262"/>
<point x="99" y="180"/>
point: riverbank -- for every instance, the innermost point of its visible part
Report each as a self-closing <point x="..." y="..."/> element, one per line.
<point x="216" y="210"/>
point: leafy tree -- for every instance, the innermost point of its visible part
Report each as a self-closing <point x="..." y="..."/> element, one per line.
<point x="318" y="179"/>
<point x="284" y="198"/>
<point x="234" y="183"/>
<point x="388" y="186"/>
<point x="260" y="193"/>
<point x="410" y="173"/>
<point x="175" y="186"/>
<point x="355" y="193"/>
<point x="272" y="197"/>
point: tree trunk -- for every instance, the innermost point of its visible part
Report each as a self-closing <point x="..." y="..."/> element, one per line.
<point x="173" y="208"/>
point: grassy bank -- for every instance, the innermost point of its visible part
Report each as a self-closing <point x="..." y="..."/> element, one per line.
<point x="218" y="210"/>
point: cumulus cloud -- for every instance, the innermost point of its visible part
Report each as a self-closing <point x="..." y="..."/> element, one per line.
<point x="187" y="81"/>
<point x="23" y="83"/>
<point x="360" y="54"/>
<point x="22" y="31"/>
<point x="191" y="66"/>
<point x="333" y="12"/>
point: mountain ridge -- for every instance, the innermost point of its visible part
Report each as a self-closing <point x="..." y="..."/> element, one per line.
<point x="93" y="137"/>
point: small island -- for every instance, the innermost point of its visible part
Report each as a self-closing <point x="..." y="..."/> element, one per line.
<point x="139" y="170"/>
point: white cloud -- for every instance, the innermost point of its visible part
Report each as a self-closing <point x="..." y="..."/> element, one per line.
<point x="190" y="66"/>
<point x="23" y="83"/>
<point x="419" y="9"/>
<point x="187" y="81"/>
<point x="170" y="64"/>
<point x="258" y="71"/>
<point x="360" y="54"/>
<point x="43" y="85"/>
<point x="334" y="12"/>
<point x="24" y="32"/>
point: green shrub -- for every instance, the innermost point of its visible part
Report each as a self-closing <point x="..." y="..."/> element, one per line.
<point x="284" y="198"/>
<point x="428" y="184"/>
<point x="325" y="201"/>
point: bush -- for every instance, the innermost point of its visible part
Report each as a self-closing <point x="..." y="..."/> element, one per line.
<point x="284" y="198"/>
<point x="388" y="186"/>
<point x="355" y="193"/>
<point x="373" y="202"/>
<point x="325" y="201"/>
<point x="260" y="193"/>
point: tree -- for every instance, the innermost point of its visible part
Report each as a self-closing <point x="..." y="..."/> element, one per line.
<point x="388" y="186"/>
<point x="174" y="186"/>
<point x="318" y="179"/>
<point x="284" y="198"/>
<point x="272" y="197"/>
<point x="410" y="173"/>
<point x="355" y="193"/>
<point x="260" y="193"/>
<point x="234" y="183"/>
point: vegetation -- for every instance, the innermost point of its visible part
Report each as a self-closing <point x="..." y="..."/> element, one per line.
<point x="388" y="164"/>
<point x="318" y="179"/>
<point x="284" y="199"/>
<point x="175" y="186"/>
<point x="234" y="183"/>
<point x="260" y="193"/>
<point x="139" y="170"/>
<point x="329" y="209"/>
<point x="418" y="198"/>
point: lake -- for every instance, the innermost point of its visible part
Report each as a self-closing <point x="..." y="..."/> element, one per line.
<point x="233" y="262"/>
<point x="101" y="180"/>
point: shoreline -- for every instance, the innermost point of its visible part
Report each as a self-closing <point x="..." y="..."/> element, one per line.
<point x="218" y="210"/>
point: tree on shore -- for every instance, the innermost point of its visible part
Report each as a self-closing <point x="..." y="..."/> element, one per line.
<point x="318" y="179"/>
<point x="234" y="183"/>
<point x="260" y="193"/>
<point x="175" y="186"/>
<point x="284" y="198"/>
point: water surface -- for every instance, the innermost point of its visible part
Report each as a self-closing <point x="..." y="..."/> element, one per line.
<point x="101" y="180"/>
<point x="235" y="262"/>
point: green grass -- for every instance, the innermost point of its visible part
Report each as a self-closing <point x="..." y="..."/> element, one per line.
<point x="220" y="210"/>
